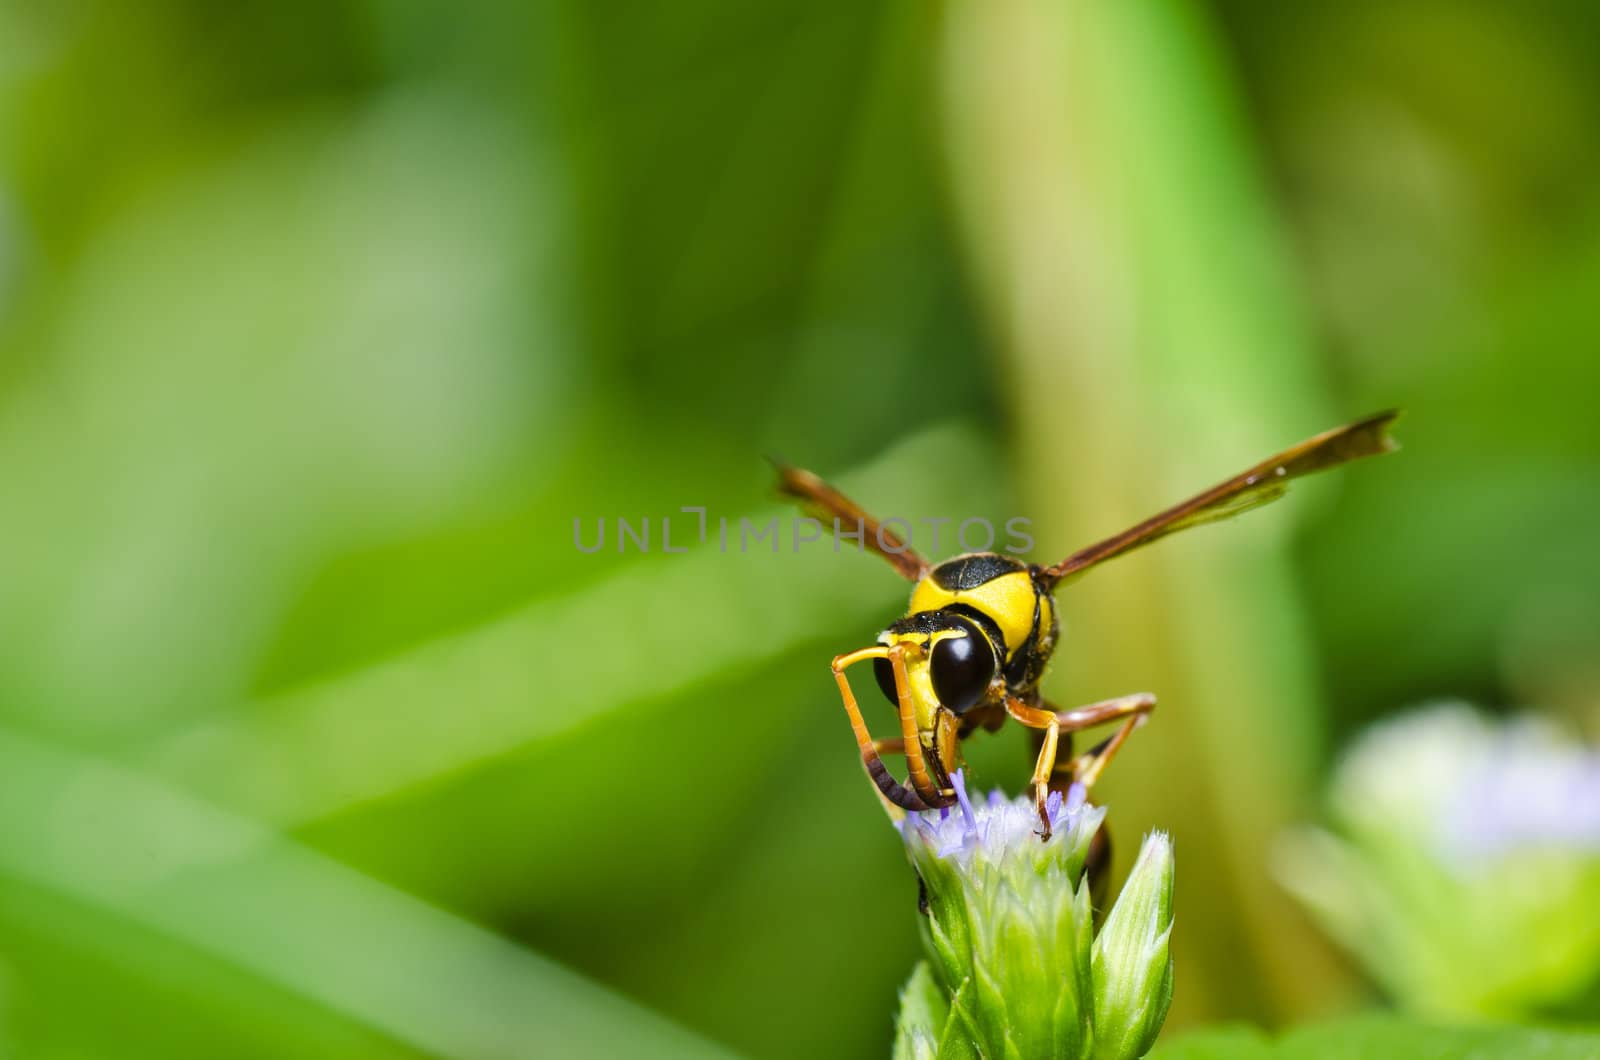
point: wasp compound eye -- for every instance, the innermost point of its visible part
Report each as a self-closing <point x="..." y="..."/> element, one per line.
<point x="883" y="670"/>
<point x="962" y="668"/>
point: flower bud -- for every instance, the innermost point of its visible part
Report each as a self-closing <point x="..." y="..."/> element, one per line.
<point x="1133" y="959"/>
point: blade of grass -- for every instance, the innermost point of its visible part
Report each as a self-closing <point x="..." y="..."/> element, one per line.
<point x="119" y="841"/>
<point x="1154" y="346"/>
<point x="456" y="702"/>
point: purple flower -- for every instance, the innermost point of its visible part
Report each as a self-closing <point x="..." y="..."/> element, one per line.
<point x="1015" y="966"/>
<point x="998" y="824"/>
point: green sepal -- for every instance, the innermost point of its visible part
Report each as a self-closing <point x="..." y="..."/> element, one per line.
<point x="959" y="1041"/>
<point x="932" y="1024"/>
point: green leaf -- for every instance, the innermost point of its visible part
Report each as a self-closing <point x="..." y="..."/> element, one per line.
<point x="1371" y="1036"/>
<point x="1218" y="1043"/>
<point x="458" y="701"/>
<point x="392" y="341"/>
<point x="1367" y="1037"/>
<point x="80" y="829"/>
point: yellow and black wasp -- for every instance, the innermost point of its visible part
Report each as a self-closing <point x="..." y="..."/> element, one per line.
<point x="981" y="628"/>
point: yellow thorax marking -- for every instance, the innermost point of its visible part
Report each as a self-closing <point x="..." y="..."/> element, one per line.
<point x="1008" y="599"/>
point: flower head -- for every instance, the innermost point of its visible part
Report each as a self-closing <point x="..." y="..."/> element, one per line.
<point x="1000" y="833"/>
<point x="1463" y="862"/>
<point x="1015" y="968"/>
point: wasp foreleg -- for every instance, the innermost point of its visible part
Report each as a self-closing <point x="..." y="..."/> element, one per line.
<point x="896" y="794"/>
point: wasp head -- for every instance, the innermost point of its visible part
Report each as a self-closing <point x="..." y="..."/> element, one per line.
<point x="941" y="664"/>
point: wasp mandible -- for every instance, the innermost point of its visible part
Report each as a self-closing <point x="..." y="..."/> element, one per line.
<point x="981" y="628"/>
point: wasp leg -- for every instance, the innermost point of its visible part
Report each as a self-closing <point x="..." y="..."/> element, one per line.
<point x="895" y="745"/>
<point x="1048" y="723"/>
<point x="895" y="794"/>
<point x="1134" y="709"/>
<point x="916" y="763"/>
<point x="1065" y="771"/>
<point x="1049" y="771"/>
<point x="1097" y="866"/>
<point x="822" y="500"/>
<point x="1061" y="775"/>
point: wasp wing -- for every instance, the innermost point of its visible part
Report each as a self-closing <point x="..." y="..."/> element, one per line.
<point x="1261" y="484"/>
<point x="827" y="505"/>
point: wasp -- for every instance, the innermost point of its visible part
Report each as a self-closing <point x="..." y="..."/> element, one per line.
<point x="981" y="628"/>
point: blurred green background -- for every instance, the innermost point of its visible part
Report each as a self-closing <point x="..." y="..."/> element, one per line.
<point x="321" y="323"/>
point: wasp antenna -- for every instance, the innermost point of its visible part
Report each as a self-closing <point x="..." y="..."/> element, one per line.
<point x="827" y="505"/>
<point x="1384" y="420"/>
<point x="795" y="481"/>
